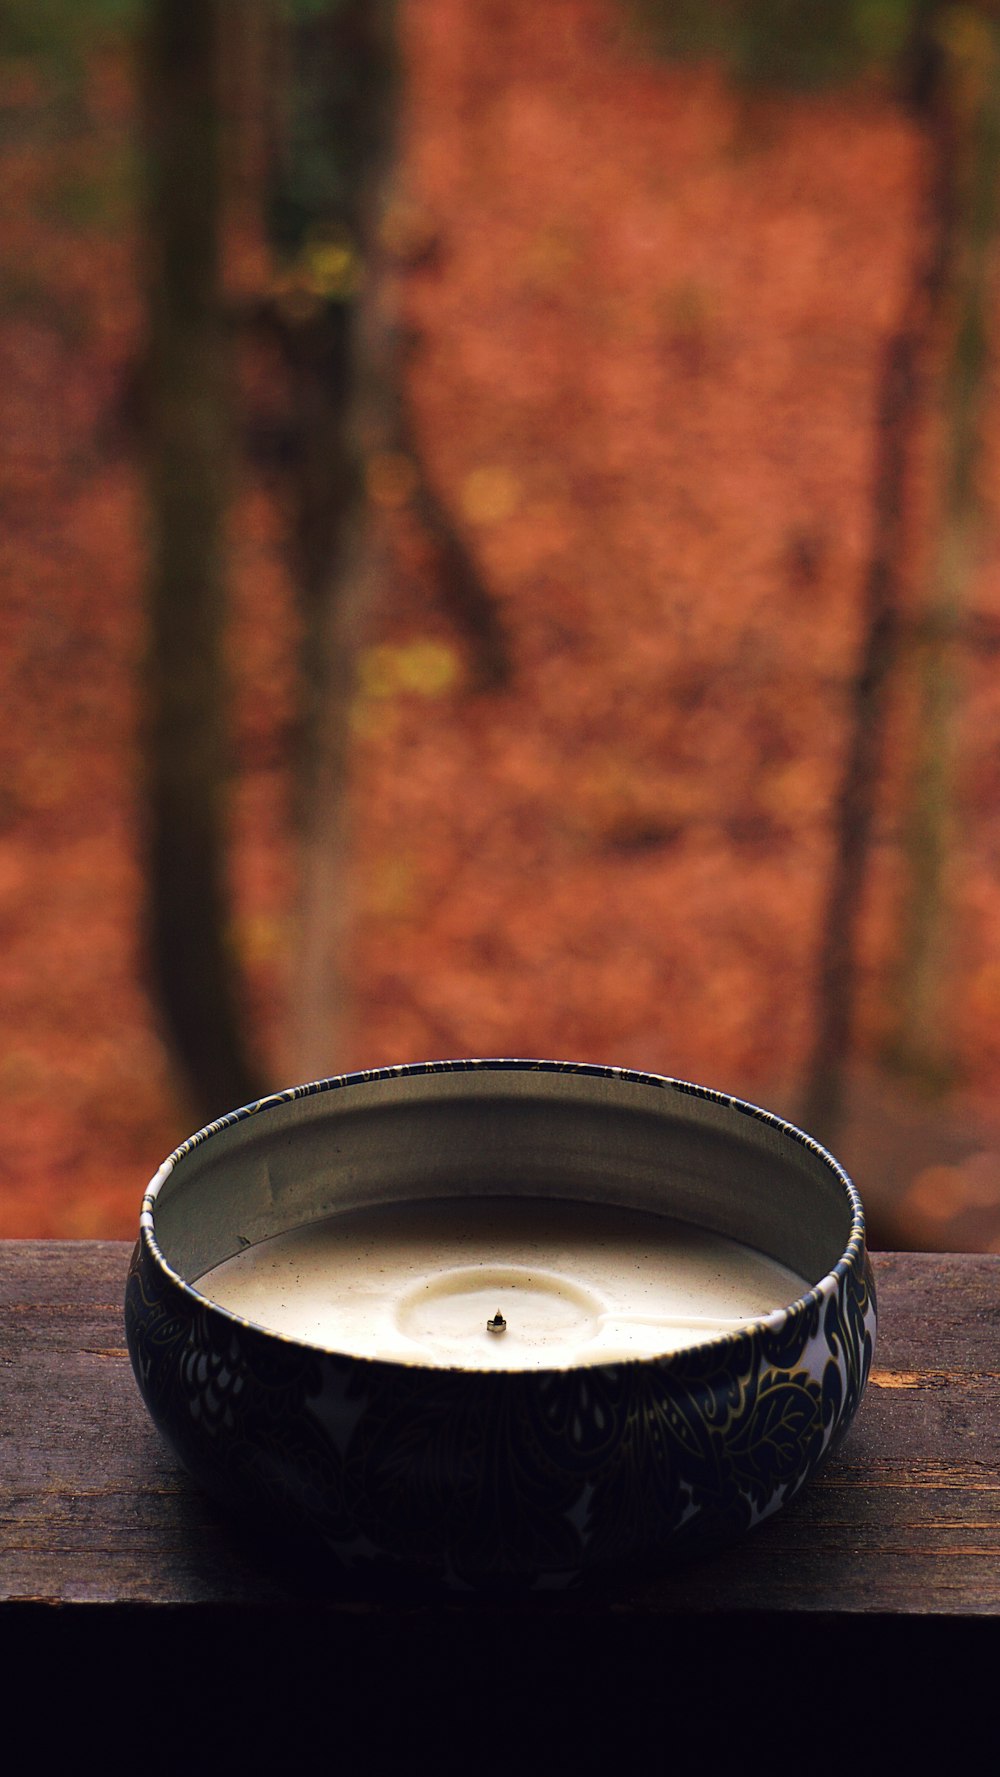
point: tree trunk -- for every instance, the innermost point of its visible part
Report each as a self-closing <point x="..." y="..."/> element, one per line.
<point x="901" y="404"/>
<point x="335" y="144"/>
<point x="186" y="449"/>
<point x="465" y="595"/>
<point x="921" y="1044"/>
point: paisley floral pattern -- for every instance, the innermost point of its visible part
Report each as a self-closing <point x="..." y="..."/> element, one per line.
<point x="497" y="1478"/>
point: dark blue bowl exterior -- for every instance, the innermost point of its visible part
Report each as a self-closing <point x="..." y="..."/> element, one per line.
<point x="473" y="1478"/>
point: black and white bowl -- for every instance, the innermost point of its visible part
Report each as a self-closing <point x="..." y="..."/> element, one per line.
<point x="494" y="1476"/>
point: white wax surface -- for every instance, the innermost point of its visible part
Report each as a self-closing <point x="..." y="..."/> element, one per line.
<point x="575" y="1282"/>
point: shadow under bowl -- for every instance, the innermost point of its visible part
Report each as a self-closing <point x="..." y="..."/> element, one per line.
<point x="485" y="1477"/>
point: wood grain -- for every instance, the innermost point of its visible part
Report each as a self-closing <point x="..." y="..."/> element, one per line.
<point x="887" y="1566"/>
<point x="904" y="1518"/>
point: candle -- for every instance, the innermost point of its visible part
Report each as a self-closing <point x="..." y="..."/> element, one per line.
<point x="460" y="1249"/>
<point x="500" y="1283"/>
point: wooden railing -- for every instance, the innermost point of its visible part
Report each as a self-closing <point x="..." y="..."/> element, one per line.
<point x="132" y="1600"/>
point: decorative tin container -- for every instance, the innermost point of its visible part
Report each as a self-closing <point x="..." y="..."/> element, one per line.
<point x="506" y="1465"/>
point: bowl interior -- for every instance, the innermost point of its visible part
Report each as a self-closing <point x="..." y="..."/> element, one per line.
<point x="516" y="1130"/>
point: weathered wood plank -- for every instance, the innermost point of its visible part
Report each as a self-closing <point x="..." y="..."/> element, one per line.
<point x="904" y="1521"/>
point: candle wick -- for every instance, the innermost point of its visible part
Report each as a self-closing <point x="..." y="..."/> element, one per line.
<point x="497" y="1324"/>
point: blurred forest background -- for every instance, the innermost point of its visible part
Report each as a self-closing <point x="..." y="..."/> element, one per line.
<point x="500" y="530"/>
